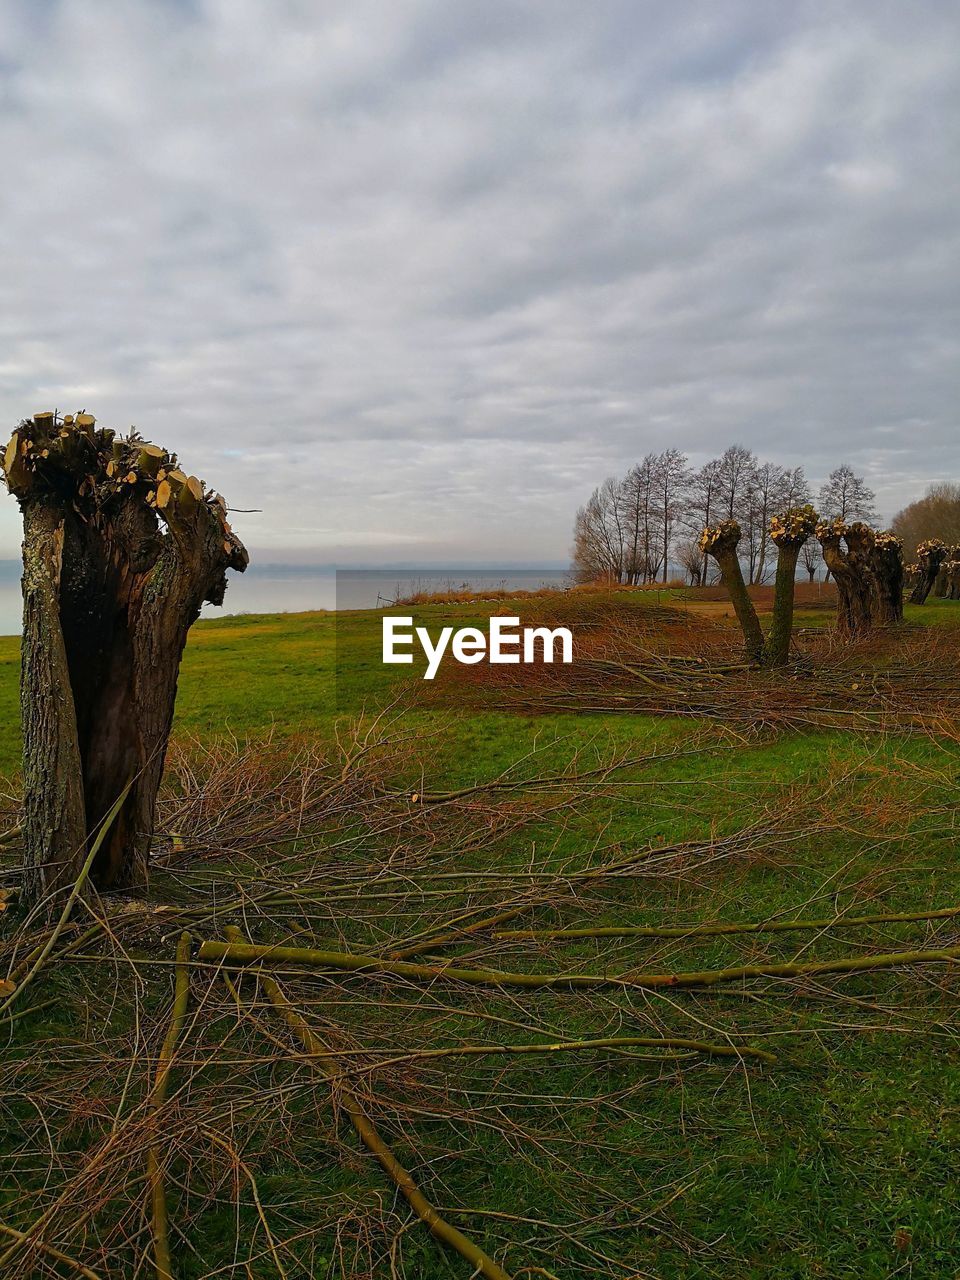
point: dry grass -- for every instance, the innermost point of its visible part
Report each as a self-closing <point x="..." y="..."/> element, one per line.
<point x="354" y="848"/>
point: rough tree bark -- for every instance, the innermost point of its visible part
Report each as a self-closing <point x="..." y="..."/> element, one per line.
<point x="941" y="587"/>
<point x="120" y="551"/>
<point x="789" y="532"/>
<point x="930" y="556"/>
<point x="721" y="542"/>
<point x="852" y="572"/>
<point x="869" y="572"/>
<point x="886" y="564"/>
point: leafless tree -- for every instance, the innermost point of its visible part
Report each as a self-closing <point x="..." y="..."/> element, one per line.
<point x="735" y="470"/>
<point x="811" y="558"/>
<point x="935" y="515"/>
<point x="691" y="560"/>
<point x="641" y="514"/>
<point x="847" y="497"/>
<point x="702" y="505"/>
<point x="599" y="535"/>
<point x="673" y="483"/>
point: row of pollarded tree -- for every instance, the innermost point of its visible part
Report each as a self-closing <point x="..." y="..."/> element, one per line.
<point x="642" y="526"/>
<point x="936" y="570"/>
<point x="866" y="564"/>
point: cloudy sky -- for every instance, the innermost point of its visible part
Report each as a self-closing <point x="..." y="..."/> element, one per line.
<point x="414" y="275"/>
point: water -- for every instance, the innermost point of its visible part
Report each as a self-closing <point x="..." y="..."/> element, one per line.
<point x="9" y="597"/>
<point x="284" y="588"/>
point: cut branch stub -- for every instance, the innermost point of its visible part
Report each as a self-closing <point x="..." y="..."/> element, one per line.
<point x="116" y="568"/>
<point x="721" y="541"/>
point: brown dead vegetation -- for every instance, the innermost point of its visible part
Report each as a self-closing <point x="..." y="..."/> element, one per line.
<point x="357" y="851"/>
<point x="683" y="661"/>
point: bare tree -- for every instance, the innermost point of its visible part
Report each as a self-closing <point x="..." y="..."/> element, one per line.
<point x="673" y="483"/>
<point x="120" y="550"/>
<point x="599" y="535"/>
<point x="847" y="497"/>
<point x="935" y="515"/>
<point x="768" y="488"/>
<point x="702" y="505"/>
<point x="811" y="558"/>
<point x="639" y="499"/>
<point x="735" y="470"/>
<point x="795" y="489"/>
<point x="690" y="558"/>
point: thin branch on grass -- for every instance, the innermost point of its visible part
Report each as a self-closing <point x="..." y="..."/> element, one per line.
<point x="721" y="929"/>
<point x="443" y="1230"/>
<point x="158" y="1198"/>
<point x="248" y="953"/>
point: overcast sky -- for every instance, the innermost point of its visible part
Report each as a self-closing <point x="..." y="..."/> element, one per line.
<point x="414" y="276"/>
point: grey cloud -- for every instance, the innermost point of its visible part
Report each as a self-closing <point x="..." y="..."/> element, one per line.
<point x="419" y="274"/>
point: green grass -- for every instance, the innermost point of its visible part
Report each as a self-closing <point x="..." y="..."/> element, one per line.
<point x="838" y="1163"/>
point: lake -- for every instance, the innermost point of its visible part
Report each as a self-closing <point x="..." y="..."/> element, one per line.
<point x="285" y="588"/>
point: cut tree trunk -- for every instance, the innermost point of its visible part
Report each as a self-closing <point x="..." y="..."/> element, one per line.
<point x="887" y="566"/>
<point x="721" y="542"/>
<point x="789" y="532"/>
<point x="54" y="822"/>
<point x="930" y="556"/>
<point x="852" y="573"/>
<point x="781" y="627"/>
<point x="121" y="549"/>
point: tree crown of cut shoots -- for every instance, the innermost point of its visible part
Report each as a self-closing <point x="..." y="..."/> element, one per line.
<point x="793" y="527"/>
<point x="68" y="458"/>
<point x="720" y="537"/>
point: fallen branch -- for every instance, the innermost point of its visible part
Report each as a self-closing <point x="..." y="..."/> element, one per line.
<point x="564" y="1046"/>
<point x="21" y="1237"/>
<point x="308" y="957"/>
<point x="366" y="1130"/>
<point x="722" y="929"/>
<point x="71" y="897"/>
<point x="158" y="1198"/>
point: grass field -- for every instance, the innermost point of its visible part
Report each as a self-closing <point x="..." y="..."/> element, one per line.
<point x="838" y="1160"/>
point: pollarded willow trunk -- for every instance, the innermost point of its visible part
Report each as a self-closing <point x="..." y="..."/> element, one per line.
<point x="941" y="586"/>
<point x="852" y="572"/>
<point x="930" y="556"/>
<point x="721" y="542"/>
<point x="951" y="571"/>
<point x="121" y="549"/>
<point x="789" y="532"/>
<point x="886" y="564"/>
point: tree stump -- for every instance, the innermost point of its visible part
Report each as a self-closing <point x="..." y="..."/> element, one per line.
<point x="120" y="550"/>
